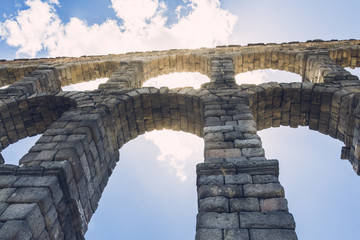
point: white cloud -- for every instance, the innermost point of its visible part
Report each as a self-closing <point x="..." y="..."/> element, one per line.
<point x="136" y="13"/>
<point x="30" y="32"/>
<point x="175" y="148"/>
<point x="143" y="28"/>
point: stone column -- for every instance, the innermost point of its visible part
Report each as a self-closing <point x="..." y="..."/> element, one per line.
<point x="222" y="71"/>
<point x="239" y="194"/>
<point x="128" y="75"/>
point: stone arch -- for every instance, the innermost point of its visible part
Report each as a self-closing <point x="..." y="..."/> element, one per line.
<point x="147" y="109"/>
<point x="177" y="62"/>
<point x="266" y="58"/>
<point x="86" y="139"/>
<point x="85" y="71"/>
<point x="28" y="116"/>
<point x="329" y="110"/>
<point x="346" y="56"/>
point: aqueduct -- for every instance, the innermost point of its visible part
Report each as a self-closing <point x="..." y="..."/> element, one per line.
<point x="56" y="188"/>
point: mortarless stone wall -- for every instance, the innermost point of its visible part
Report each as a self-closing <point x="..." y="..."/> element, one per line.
<point x="56" y="188"/>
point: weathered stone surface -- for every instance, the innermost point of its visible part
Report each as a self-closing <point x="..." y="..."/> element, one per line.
<point x="222" y="153"/>
<point x="15" y="229"/>
<point x="238" y="179"/>
<point x="267" y="220"/>
<point x="273" y="204"/>
<point x="229" y="191"/>
<point x="272" y="234"/>
<point x="218" y="220"/>
<point x="244" y="204"/>
<point x="268" y="190"/>
<point x="211" y="180"/>
<point x="208" y="234"/>
<point x="30" y="213"/>
<point x="247" y="143"/>
<point x="236" y="234"/>
<point x="214" y="204"/>
<point x="265" y="179"/>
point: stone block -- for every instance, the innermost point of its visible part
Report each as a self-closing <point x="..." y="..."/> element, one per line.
<point x="253" y="152"/>
<point x="238" y="179"/>
<point x="218" y="220"/>
<point x="222" y="153"/>
<point x="236" y="234"/>
<point x="231" y="136"/>
<point x="212" y="179"/>
<point x="16" y="230"/>
<point x="30" y="213"/>
<point x="269" y="190"/>
<point x="5" y="193"/>
<point x="247" y="143"/>
<point x="265" y="179"/>
<point x="214" y="204"/>
<point x="273" y="204"/>
<point x="208" y="234"/>
<point x="244" y="204"/>
<point x="214" y="137"/>
<point x="278" y="220"/>
<point x="229" y="191"/>
<point x="272" y="234"/>
<point x="218" y="145"/>
<point x="41" y="196"/>
<point x="222" y="129"/>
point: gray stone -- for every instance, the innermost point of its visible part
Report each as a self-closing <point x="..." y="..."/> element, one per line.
<point x="231" y="136"/>
<point x="253" y="152"/>
<point x="30" y="213"/>
<point x="247" y="143"/>
<point x="272" y="234"/>
<point x="229" y="191"/>
<point x="214" y="137"/>
<point x="214" y="204"/>
<point x="16" y="230"/>
<point x="265" y="179"/>
<point x="273" y="204"/>
<point x="238" y="179"/>
<point x="267" y="220"/>
<point x="244" y="204"/>
<point x="218" y="220"/>
<point x="212" y="179"/>
<point x="236" y="234"/>
<point x="268" y="190"/>
<point x="208" y="234"/>
<point x="221" y="129"/>
<point x="5" y="193"/>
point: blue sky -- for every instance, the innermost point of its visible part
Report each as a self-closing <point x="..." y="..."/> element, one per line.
<point x="152" y="193"/>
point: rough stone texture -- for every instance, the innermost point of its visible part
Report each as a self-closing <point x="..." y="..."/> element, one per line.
<point x="266" y="220"/>
<point x="55" y="190"/>
<point x="272" y="234"/>
<point x="238" y="234"/>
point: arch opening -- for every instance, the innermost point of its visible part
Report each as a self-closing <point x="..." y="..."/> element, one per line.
<point x="85" y="86"/>
<point x="30" y="116"/>
<point x="153" y="188"/>
<point x="14" y="152"/>
<point x="175" y="80"/>
<point x="266" y="75"/>
<point x="354" y="71"/>
<point x="315" y="180"/>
